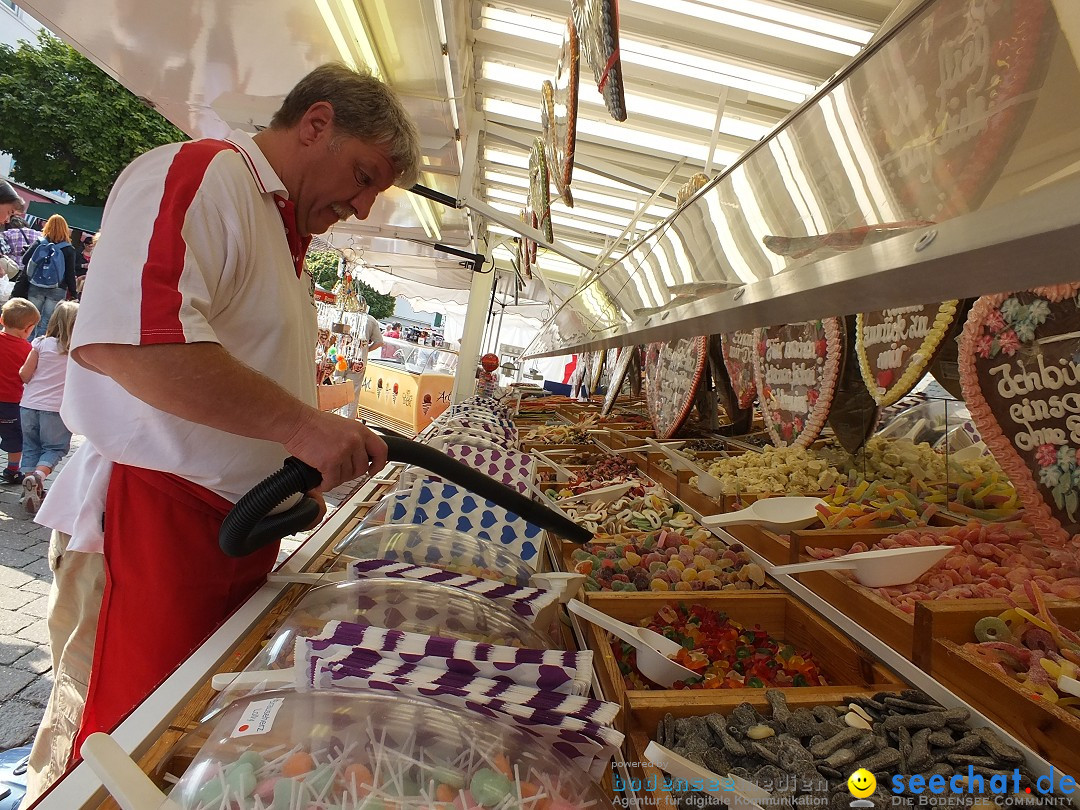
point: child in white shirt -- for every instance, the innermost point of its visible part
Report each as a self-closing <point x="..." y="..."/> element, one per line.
<point x="46" y="438"/>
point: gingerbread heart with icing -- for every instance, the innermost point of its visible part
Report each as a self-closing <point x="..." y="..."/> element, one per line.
<point x="895" y="346"/>
<point x="1020" y="372"/>
<point x="672" y="374"/>
<point x="738" y="350"/>
<point x="796" y="368"/>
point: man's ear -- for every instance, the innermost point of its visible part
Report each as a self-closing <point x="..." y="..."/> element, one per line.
<point x="317" y="123"/>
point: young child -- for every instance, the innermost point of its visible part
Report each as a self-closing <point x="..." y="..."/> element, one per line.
<point x="46" y="438"/>
<point x="18" y="317"/>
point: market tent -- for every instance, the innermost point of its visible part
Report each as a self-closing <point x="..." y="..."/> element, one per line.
<point x="86" y="218"/>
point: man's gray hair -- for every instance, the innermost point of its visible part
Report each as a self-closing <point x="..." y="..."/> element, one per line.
<point x="364" y="108"/>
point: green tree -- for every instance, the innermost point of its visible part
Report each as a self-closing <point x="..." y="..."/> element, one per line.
<point x="323" y="266"/>
<point x="68" y="125"/>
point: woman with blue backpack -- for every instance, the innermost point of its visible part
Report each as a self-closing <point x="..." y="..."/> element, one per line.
<point x="50" y="270"/>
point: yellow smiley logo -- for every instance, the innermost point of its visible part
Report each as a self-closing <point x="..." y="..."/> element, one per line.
<point x="862" y="783"/>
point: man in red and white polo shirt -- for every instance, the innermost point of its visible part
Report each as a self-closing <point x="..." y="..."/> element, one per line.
<point x="192" y="383"/>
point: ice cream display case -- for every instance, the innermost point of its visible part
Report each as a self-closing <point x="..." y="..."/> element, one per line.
<point x="406" y="391"/>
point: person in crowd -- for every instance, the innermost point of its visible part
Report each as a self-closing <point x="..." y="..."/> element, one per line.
<point x="390" y="350"/>
<point x="46" y="438"/>
<point x="88" y="252"/>
<point x="18" y="318"/>
<point x="10" y="202"/>
<point x="191" y="382"/>
<point x="50" y="270"/>
<point x="84" y="250"/>
<point x="15" y="235"/>
<point x="367" y="338"/>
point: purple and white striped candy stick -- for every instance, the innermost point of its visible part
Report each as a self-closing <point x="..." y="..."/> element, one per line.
<point x="528" y="697"/>
<point x="529" y="603"/>
<point x="555" y="670"/>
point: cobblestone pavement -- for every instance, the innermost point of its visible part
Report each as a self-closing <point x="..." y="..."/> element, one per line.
<point x="25" y="667"/>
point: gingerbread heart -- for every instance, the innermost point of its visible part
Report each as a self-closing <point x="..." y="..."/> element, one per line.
<point x="738" y="349"/>
<point x="854" y="414"/>
<point x="796" y="367"/>
<point x="618" y="377"/>
<point x="1020" y="372"/>
<point x="672" y="375"/>
<point x="896" y="345"/>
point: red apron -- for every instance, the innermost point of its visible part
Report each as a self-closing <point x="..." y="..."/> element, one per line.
<point x="168" y="586"/>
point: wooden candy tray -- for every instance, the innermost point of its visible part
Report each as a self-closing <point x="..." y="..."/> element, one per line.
<point x="941" y="630"/>
<point x="843" y="663"/>
<point x="645" y="710"/>
<point x="777" y="548"/>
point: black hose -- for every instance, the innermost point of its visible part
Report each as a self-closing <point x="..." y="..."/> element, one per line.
<point x="250" y="526"/>
<point x="509" y="499"/>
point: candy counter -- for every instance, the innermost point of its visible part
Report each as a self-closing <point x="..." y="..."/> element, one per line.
<point x="937" y="620"/>
<point x="779" y="675"/>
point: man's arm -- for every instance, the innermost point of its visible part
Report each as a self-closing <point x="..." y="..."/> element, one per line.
<point x="376" y="335"/>
<point x="203" y="383"/>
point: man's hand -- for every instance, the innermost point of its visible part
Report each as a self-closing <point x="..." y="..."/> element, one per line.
<point x="340" y="449"/>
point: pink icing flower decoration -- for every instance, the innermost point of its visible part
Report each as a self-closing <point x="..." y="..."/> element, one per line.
<point x="984" y="346"/>
<point x="1046" y="455"/>
<point x="995" y="322"/>
<point x="812" y="396"/>
<point x="1009" y="342"/>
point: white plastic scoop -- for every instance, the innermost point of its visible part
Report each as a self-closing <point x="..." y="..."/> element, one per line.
<point x="129" y="786"/>
<point x="561" y="473"/>
<point x="267" y="678"/>
<point x="610" y="493"/>
<point x="652" y="648"/>
<point x="1068" y="685"/>
<point x="737" y="793"/>
<point x="882" y="568"/>
<point x="708" y="483"/>
<point x="783" y="514"/>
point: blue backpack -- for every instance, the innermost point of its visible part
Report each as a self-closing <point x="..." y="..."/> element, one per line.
<point x="46" y="267"/>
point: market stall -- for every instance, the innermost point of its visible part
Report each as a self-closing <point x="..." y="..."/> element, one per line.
<point x="789" y="311"/>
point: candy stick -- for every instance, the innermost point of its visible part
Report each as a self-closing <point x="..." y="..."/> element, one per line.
<point x="279" y="761"/>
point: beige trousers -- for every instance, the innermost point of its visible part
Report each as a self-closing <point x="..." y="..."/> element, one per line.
<point x="74" y="603"/>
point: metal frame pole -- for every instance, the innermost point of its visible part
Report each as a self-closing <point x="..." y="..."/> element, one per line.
<point x="472" y="336"/>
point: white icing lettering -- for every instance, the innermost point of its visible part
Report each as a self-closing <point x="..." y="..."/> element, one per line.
<point x="1072" y="424"/>
<point x="800" y="349"/>
<point x="893" y="358"/>
<point x="1046" y="378"/>
<point x="1033" y="438"/>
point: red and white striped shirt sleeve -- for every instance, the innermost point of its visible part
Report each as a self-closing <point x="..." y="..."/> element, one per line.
<point x="164" y="261"/>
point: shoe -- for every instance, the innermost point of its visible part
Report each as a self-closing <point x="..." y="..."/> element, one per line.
<point x="9" y="476"/>
<point x="33" y="493"/>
